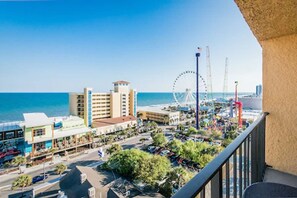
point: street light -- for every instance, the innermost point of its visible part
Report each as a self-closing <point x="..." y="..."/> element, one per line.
<point x="43" y="171"/>
<point x="197" y="88"/>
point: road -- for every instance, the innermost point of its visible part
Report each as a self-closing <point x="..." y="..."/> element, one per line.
<point x="89" y="159"/>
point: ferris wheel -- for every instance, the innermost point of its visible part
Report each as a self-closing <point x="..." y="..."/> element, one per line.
<point x="184" y="89"/>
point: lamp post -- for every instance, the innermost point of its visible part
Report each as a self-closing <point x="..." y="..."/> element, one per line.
<point x="197" y="88"/>
<point x="43" y="171"/>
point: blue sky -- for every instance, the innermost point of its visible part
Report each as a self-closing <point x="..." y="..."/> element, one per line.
<point x="63" y="46"/>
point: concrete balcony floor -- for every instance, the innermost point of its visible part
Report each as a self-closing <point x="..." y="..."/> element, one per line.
<point x="275" y="176"/>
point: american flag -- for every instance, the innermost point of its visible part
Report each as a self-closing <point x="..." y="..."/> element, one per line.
<point x="100" y="153"/>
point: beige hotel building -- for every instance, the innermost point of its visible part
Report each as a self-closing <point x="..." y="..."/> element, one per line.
<point x="92" y="106"/>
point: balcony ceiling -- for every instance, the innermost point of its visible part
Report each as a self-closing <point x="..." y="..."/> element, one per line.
<point x="270" y="18"/>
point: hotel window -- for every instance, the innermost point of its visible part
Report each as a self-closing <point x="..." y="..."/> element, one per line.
<point x="9" y="135"/>
<point x="20" y="134"/>
<point x="39" y="146"/>
<point x="39" y="132"/>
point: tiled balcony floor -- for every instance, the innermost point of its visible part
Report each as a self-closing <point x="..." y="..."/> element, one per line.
<point x="276" y="176"/>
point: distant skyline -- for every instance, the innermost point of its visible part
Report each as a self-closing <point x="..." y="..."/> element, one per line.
<point x="64" y="46"/>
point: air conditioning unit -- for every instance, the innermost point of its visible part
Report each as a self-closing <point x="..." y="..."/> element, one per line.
<point x="83" y="178"/>
<point x="91" y="192"/>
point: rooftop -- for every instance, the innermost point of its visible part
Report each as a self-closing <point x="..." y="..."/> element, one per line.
<point x="121" y="82"/>
<point x="69" y="132"/>
<point x="155" y="110"/>
<point x="36" y="119"/>
<point x="10" y="126"/>
<point x="112" y="121"/>
<point x="70" y="183"/>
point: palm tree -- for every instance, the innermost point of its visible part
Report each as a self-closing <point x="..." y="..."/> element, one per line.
<point x="60" y="168"/>
<point x="90" y="136"/>
<point x="22" y="182"/>
<point x="52" y="151"/>
<point x="166" y="119"/>
<point x="18" y="161"/>
<point x="114" y="148"/>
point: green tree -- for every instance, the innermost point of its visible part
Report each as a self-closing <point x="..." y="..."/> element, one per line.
<point x="176" y="177"/>
<point x="181" y="127"/>
<point x="60" y="169"/>
<point x="114" y="148"/>
<point x="166" y="119"/>
<point x="192" y="130"/>
<point x="18" y="161"/>
<point x="202" y="132"/>
<point x="21" y="182"/>
<point x="153" y="169"/>
<point x="159" y="130"/>
<point x="52" y="151"/>
<point x="154" y="125"/>
<point x="180" y="176"/>
<point x="175" y="146"/>
<point x="139" y="165"/>
<point x="159" y="139"/>
<point x="226" y="142"/>
<point x="216" y="134"/>
<point x="231" y="134"/>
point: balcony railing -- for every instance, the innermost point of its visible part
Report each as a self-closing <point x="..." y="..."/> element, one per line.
<point x="236" y="167"/>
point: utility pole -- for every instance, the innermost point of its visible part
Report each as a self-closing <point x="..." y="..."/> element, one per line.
<point x="197" y="88"/>
<point x="236" y="97"/>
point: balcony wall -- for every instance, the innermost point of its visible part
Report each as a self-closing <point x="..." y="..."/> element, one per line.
<point x="280" y="100"/>
<point x="274" y="24"/>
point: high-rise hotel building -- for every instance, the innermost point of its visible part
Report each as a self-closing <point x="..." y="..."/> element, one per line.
<point x="91" y="106"/>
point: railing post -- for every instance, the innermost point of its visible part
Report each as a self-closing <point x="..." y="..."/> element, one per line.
<point x="240" y="170"/>
<point x="254" y="155"/>
<point x="227" y="179"/>
<point x="216" y="185"/>
<point x="235" y="174"/>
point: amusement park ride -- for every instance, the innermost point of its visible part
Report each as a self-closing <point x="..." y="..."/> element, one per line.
<point x="190" y="89"/>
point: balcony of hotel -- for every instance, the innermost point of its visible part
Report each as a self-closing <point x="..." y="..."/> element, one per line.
<point x="262" y="161"/>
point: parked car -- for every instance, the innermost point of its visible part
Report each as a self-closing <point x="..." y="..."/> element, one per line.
<point x="197" y="166"/>
<point x="159" y="150"/>
<point x="185" y="162"/>
<point x="180" y="160"/>
<point x="170" y="154"/>
<point x="39" y="178"/>
<point x="164" y="152"/>
<point x="200" y="140"/>
<point x="151" y="148"/>
<point x="2" y="155"/>
<point x="170" y="138"/>
<point x="173" y="158"/>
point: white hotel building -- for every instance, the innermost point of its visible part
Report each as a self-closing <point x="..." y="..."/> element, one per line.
<point x="92" y="106"/>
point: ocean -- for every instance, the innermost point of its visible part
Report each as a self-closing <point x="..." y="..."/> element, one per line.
<point x="13" y="105"/>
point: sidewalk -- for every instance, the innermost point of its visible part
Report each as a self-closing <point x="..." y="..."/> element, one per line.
<point x="48" y="165"/>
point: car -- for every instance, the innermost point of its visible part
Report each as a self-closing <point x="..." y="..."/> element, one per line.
<point x="174" y="158"/>
<point x="159" y="150"/>
<point x="200" y="140"/>
<point x="180" y="160"/>
<point x="13" y="152"/>
<point x="170" y="154"/>
<point x="2" y="155"/>
<point x="151" y="148"/>
<point x="196" y="166"/>
<point x="185" y="162"/>
<point x="164" y="152"/>
<point x="39" y="178"/>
